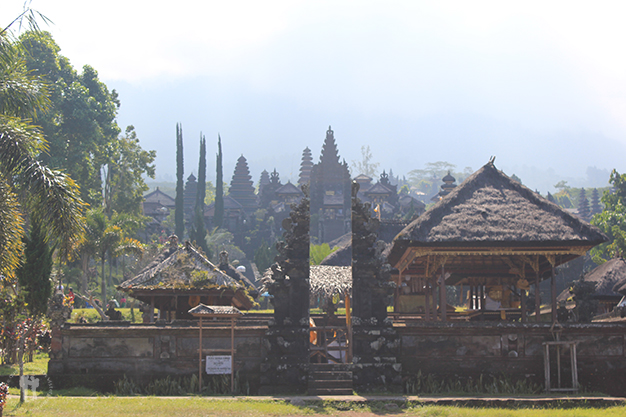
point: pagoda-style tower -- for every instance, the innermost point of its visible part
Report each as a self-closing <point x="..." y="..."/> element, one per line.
<point x="594" y="204"/>
<point x="268" y="194"/>
<point x="583" y="206"/>
<point x="305" y="167"/>
<point x="241" y="188"/>
<point x="189" y="196"/>
<point x="263" y="181"/>
<point x="386" y="181"/>
<point x="330" y="193"/>
<point x="447" y="186"/>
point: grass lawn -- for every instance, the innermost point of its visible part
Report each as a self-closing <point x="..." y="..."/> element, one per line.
<point x="157" y="406"/>
<point x="92" y="316"/>
<point x="38" y="366"/>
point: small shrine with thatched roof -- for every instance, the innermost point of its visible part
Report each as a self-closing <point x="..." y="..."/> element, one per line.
<point x="181" y="278"/>
<point x="606" y="279"/>
<point x="492" y="237"/>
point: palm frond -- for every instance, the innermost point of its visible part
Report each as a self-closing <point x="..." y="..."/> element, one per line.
<point x="129" y="246"/>
<point x="22" y="94"/>
<point x="11" y="231"/>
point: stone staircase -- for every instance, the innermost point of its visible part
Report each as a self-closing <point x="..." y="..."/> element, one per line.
<point x="330" y="379"/>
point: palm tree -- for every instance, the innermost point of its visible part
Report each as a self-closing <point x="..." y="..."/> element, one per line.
<point x="26" y="185"/>
<point x="107" y="238"/>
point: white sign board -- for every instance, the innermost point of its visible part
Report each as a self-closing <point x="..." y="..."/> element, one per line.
<point x="218" y="364"/>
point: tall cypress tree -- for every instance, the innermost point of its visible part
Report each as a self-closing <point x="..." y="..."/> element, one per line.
<point x="179" y="215"/>
<point x="34" y="274"/>
<point x="198" y="233"/>
<point x="218" y="218"/>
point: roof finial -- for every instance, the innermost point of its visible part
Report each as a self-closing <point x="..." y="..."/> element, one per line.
<point x="492" y="160"/>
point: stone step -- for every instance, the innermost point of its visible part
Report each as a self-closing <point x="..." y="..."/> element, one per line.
<point x="330" y="391"/>
<point x="331" y="375"/>
<point x="323" y="383"/>
<point x="330" y="379"/>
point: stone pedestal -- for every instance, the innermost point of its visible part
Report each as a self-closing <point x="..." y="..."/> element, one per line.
<point x="376" y="349"/>
<point x="285" y="368"/>
<point x="376" y="344"/>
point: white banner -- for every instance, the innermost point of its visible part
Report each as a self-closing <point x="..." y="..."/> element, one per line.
<point x="218" y="364"/>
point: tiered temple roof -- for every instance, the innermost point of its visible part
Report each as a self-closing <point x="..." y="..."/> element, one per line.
<point x="241" y="187"/>
<point x="330" y="189"/>
<point x="305" y="166"/>
<point x="189" y="195"/>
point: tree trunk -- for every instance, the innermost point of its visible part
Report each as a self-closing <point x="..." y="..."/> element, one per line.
<point x="90" y="298"/>
<point x="85" y="268"/>
<point x="104" y="285"/>
<point x="20" y="361"/>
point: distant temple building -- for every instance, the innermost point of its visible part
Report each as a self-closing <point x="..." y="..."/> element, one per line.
<point x="267" y="189"/>
<point x="330" y="188"/>
<point x="447" y="186"/>
<point x="305" y="167"/>
<point x="189" y="197"/>
<point x="242" y="188"/>
<point x="157" y="205"/>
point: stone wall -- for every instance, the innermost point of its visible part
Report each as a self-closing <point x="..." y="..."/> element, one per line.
<point x="460" y="351"/>
<point x="97" y="355"/>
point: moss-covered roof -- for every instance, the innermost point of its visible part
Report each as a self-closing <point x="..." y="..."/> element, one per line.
<point x="181" y="267"/>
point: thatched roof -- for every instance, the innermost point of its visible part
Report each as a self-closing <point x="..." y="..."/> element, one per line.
<point x="616" y="269"/>
<point x="232" y="272"/>
<point x="608" y="278"/>
<point x="341" y="241"/>
<point x="491" y="209"/>
<point x="340" y="257"/>
<point x="329" y="280"/>
<point x="205" y="310"/>
<point x="173" y="268"/>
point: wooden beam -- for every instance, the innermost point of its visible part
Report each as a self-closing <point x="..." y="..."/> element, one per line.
<point x="553" y="294"/>
<point x="200" y="359"/>
<point x="537" y="298"/>
<point x="442" y="293"/>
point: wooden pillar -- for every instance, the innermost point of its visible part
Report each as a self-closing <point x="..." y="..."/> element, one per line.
<point x="537" y="298"/>
<point x="433" y="282"/>
<point x="200" y="359"/>
<point x="546" y="366"/>
<point x="427" y="299"/>
<point x="442" y="294"/>
<point x="152" y="309"/>
<point x="482" y="302"/>
<point x="574" y="365"/>
<point x="396" y="292"/>
<point x="472" y="304"/>
<point x="553" y="294"/>
<point x="523" y="304"/>
<point x="349" y="325"/>
<point x="232" y="355"/>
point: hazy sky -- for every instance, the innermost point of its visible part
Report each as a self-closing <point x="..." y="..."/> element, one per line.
<point x="541" y="85"/>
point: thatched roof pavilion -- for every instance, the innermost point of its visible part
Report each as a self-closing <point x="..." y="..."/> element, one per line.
<point x="180" y="277"/>
<point x="489" y="231"/>
<point x="608" y="277"/>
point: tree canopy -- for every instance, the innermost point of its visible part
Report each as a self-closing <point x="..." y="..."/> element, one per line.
<point x="26" y="184"/>
<point x="612" y="220"/>
<point x="80" y="121"/>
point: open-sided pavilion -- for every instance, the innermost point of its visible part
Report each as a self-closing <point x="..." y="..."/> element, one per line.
<point x="492" y="236"/>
